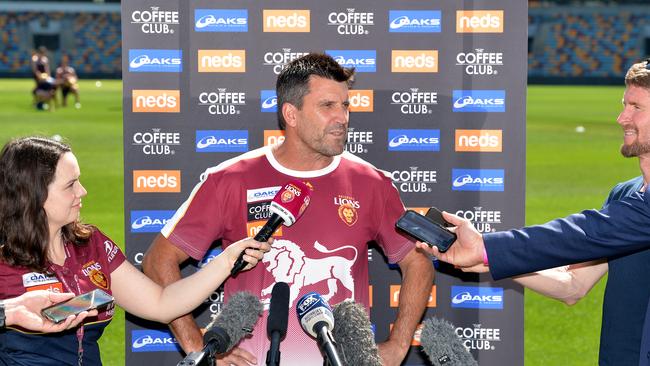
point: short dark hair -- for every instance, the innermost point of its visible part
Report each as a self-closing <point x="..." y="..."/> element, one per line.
<point x="293" y="82"/>
<point x="27" y="167"/>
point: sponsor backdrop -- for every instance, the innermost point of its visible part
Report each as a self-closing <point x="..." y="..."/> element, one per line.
<point x="439" y="102"/>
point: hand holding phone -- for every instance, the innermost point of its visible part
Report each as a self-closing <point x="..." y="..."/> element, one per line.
<point x="90" y="300"/>
<point x="426" y="230"/>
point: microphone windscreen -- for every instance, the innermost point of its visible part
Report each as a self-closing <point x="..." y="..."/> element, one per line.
<point x="238" y="316"/>
<point x="278" y="310"/>
<point x="355" y="341"/>
<point x="291" y="201"/>
<point x="442" y="345"/>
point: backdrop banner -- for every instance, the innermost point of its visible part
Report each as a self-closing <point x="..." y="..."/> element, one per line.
<point x="439" y="102"/>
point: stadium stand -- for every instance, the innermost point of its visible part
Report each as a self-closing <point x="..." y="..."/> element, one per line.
<point x="596" y="43"/>
<point x="90" y="34"/>
<point x="569" y="40"/>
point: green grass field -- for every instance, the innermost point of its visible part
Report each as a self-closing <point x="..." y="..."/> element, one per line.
<point x="566" y="172"/>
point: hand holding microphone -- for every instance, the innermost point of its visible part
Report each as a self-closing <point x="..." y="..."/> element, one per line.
<point x="287" y="206"/>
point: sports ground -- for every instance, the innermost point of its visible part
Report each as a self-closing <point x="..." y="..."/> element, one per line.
<point x="566" y="171"/>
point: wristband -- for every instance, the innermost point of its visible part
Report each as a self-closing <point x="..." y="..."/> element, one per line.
<point x="485" y="258"/>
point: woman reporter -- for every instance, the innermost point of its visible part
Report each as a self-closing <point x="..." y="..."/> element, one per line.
<point x="43" y="244"/>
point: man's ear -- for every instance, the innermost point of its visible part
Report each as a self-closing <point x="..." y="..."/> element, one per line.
<point x="289" y="112"/>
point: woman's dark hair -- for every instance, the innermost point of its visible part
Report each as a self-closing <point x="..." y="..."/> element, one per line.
<point x="27" y="167"/>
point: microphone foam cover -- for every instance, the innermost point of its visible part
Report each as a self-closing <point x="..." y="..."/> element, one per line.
<point x="442" y="345"/>
<point x="239" y="316"/>
<point x="278" y="310"/>
<point x="355" y="341"/>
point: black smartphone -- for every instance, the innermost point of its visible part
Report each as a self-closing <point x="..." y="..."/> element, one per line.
<point x="436" y="216"/>
<point x="95" y="299"/>
<point x="426" y="230"/>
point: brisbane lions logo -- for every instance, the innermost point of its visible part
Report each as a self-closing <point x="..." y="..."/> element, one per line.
<point x="288" y="263"/>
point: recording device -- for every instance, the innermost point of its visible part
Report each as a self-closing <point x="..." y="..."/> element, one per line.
<point x="287" y="206"/>
<point x="95" y="299"/>
<point x="276" y="324"/>
<point x="426" y="230"/>
<point x="315" y="316"/>
<point x="442" y="345"/>
<point x="234" y="322"/>
<point x="355" y="341"/>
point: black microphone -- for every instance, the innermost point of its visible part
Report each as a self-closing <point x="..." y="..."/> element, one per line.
<point x="355" y="340"/>
<point x="234" y="322"/>
<point x="315" y="316"/>
<point x="442" y="345"/>
<point x="276" y="324"/>
<point x="287" y="207"/>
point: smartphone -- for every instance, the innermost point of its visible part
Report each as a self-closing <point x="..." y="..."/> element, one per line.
<point x="426" y="230"/>
<point x="436" y="216"/>
<point x="95" y="299"/>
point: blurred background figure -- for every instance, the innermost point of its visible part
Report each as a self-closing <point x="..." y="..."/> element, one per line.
<point x="66" y="79"/>
<point x="44" y="91"/>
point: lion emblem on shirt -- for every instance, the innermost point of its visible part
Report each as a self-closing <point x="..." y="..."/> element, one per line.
<point x="288" y="263"/>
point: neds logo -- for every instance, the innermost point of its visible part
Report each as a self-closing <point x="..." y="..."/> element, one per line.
<point x="161" y="101"/>
<point x="149" y="181"/>
<point x="361" y="100"/>
<point x="286" y="20"/>
<point x="273" y="137"/>
<point x="222" y="60"/>
<point x="414" y="61"/>
<point x="479" y="140"/>
<point x="479" y="21"/>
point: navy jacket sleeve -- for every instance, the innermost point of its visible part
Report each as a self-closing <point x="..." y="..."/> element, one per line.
<point x="621" y="227"/>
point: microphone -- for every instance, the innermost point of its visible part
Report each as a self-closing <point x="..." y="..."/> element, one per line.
<point x="442" y="345"/>
<point x="355" y="340"/>
<point x="287" y="206"/>
<point x="236" y="320"/>
<point x="276" y="324"/>
<point x="315" y="316"/>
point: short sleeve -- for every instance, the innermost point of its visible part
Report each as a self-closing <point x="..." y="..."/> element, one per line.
<point x="394" y="245"/>
<point x="114" y="255"/>
<point x="199" y="220"/>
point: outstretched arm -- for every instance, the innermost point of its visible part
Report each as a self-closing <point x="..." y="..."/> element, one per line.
<point x="568" y="284"/>
<point x="25" y="311"/>
<point x="417" y="279"/>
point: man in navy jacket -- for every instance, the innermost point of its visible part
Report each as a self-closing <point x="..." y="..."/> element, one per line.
<point x="619" y="232"/>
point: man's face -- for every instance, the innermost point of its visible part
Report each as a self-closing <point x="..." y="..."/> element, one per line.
<point x="635" y="121"/>
<point x="322" y="122"/>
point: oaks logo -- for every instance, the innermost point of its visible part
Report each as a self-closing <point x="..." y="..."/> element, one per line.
<point x="414" y="61"/>
<point x="156" y="101"/>
<point x="155" y="181"/>
<point x="286" y="20"/>
<point x="361" y="100"/>
<point x="222" y="60"/>
<point x="479" y="21"/>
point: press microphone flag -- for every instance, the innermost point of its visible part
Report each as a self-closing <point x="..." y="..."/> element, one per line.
<point x="442" y="345"/>
<point x="287" y="206"/>
<point x="315" y="316"/>
<point x="276" y="324"/>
